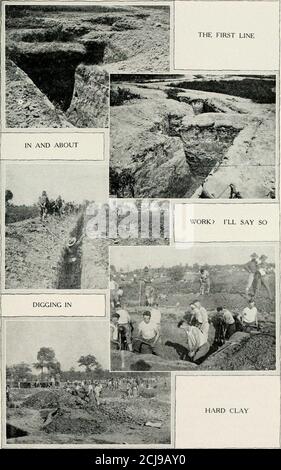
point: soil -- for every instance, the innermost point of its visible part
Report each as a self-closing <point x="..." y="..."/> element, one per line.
<point x="162" y="145"/>
<point x="37" y="255"/>
<point x="58" y="61"/>
<point x="244" y="351"/>
<point x="115" y="420"/>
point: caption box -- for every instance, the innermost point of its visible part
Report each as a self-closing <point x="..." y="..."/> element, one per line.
<point x="232" y="412"/>
<point x="54" y="305"/>
<point x="225" y="222"/>
<point x="231" y="35"/>
<point x="57" y="146"/>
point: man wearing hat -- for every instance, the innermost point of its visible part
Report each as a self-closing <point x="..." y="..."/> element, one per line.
<point x="261" y="276"/>
<point x="251" y="267"/>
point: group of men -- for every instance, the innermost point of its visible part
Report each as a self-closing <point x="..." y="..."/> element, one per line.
<point x="85" y="389"/>
<point x="54" y="206"/>
<point x="148" y="330"/>
<point x="196" y="326"/>
<point x="258" y="275"/>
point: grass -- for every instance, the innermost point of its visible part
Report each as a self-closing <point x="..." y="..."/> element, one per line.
<point x="18" y="213"/>
<point x="258" y="90"/>
<point x="119" y="96"/>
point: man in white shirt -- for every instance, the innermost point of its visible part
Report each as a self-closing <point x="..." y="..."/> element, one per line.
<point x="125" y="321"/>
<point x="197" y="345"/>
<point x="250" y="315"/>
<point x="97" y="390"/>
<point x="148" y="331"/>
<point x="201" y="316"/>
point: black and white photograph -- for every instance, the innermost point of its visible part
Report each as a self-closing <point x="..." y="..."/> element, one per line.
<point x="201" y="308"/>
<point x="59" y="57"/>
<point x="193" y="136"/>
<point x="47" y="244"/>
<point x="139" y="222"/>
<point x="59" y="389"/>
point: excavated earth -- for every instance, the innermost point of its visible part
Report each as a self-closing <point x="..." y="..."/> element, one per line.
<point x="165" y="147"/>
<point x="57" y="62"/>
<point x="56" y="416"/>
<point x="37" y="255"/>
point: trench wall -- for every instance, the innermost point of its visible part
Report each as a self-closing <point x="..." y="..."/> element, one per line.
<point x="33" y="251"/>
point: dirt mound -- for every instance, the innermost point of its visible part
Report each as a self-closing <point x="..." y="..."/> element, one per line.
<point x="42" y="399"/>
<point x="148" y="393"/>
<point x="76" y="423"/>
<point x="256" y="352"/>
<point x="52" y="399"/>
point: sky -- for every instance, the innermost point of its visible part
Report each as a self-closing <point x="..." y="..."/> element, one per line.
<point x="70" y="339"/>
<point x="130" y="258"/>
<point x="73" y="181"/>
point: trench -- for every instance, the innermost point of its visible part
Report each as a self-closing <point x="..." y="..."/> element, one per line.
<point x="70" y="266"/>
<point x="204" y="148"/>
<point x="53" y="72"/>
<point x="13" y="431"/>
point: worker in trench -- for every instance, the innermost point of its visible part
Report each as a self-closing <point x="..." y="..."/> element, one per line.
<point x="147" y="335"/>
<point x="125" y="322"/>
<point x="197" y="345"/>
<point x="200" y="317"/>
<point x="224" y="324"/>
<point x="249" y="316"/>
<point x="71" y="247"/>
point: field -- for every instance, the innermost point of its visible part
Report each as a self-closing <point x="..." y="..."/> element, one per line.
<point x="246" y="351"/>
<point x="118" y="419"/>
<point x="58" y="60"/>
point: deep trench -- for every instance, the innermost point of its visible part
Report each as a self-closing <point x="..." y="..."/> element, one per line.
<point x="53" y="72"/>
<point x="70" y="270"/>
<point x="204" y="148"/>
<point x="13" y="431"/>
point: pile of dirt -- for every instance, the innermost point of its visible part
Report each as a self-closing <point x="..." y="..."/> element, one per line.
<point x="51" y="399"/>
<point x="77" y="416"/>
<point x="255" y="351"/>
<point x="76" y="423"/>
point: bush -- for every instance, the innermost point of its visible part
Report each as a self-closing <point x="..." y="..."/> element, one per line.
<point x="120" y="96"/>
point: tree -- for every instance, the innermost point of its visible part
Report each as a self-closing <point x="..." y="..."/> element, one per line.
<point x="176" y="273"/>
<point x="89" y="362"/>
<point x="19" y="371"/>
<point x="54" y="368"/>
<point x="46" y="359"/>
<point x="8" y="196"/>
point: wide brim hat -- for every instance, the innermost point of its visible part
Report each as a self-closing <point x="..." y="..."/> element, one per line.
<point x="71" y="241"/>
